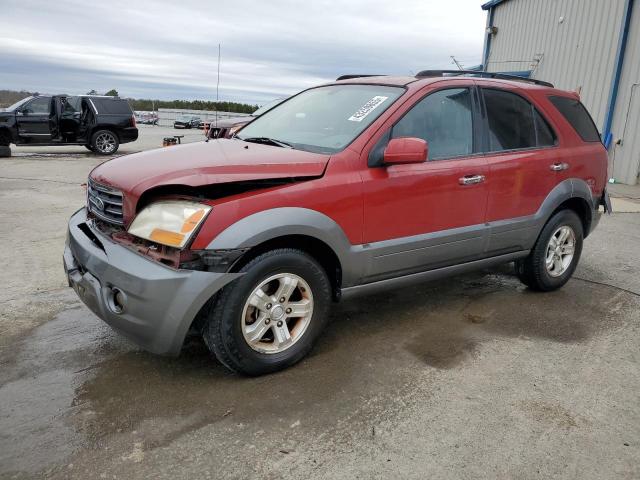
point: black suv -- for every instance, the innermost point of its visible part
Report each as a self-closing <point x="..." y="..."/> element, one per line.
<point x="99" y="123"/>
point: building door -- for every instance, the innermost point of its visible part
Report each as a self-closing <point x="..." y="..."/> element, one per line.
<point x="626" y="154"/>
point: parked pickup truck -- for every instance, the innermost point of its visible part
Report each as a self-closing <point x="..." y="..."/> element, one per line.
<point x="350" y="188"/>
<point x="100" y="123"/>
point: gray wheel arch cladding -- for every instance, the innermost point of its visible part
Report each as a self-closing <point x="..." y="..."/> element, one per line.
<point x="279" y="222"/>
<point x="566" y="190"/>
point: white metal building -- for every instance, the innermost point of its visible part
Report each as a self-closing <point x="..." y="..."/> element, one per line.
<point x="588" y="45"/>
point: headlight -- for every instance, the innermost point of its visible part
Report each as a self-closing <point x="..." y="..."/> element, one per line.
<point x="170" y="222"/>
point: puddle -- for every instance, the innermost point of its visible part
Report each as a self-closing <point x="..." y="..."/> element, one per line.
<point x="37" y="388"/>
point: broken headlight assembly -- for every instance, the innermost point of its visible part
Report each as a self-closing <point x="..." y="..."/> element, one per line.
<point x="169" y="222"/>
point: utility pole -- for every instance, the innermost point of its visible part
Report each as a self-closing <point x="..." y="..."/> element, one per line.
<point x="217" y="98"/>
<point x="218" y="87"/>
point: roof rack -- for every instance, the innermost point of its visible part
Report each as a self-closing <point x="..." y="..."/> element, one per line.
<point x="349" y="77"/>
<point x="482" y="74"/>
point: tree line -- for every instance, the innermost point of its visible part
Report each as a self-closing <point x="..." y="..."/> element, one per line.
<point x="9" y="97"/>
<point x="146" y="104"/>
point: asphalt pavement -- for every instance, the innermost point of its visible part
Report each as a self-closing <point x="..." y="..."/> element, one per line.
<point x="469" y="377"/>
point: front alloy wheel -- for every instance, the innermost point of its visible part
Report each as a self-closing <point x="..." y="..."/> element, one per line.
<point x="277" y="313"/>
<point x="270" y="317"/>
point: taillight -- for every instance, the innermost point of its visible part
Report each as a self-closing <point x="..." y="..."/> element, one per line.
<point x="133" y="120"/>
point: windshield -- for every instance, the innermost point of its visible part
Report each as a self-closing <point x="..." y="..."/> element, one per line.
<point x="324" y="119"/>
<point x="267" y="106"/>
<point x="17" y="104"/>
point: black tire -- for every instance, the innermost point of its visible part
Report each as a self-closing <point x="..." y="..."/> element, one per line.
<point x="5" y="151"/>
<point x="101" y="136"/>
<point x="223" y="332"/>
<point x="90" y="148"/>
<point x="532" y="270"/>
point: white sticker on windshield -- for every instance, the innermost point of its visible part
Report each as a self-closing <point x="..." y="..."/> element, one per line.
<point x="367" y="108"/>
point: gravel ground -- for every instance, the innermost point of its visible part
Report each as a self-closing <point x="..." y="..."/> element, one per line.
<point x="471" y="377"/>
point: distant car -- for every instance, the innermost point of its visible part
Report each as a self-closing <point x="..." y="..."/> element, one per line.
<point x="186" y="121"/>
<point x="100" y="123"/>
<point x="146" y="118"/>
<point x="227" y="127"/>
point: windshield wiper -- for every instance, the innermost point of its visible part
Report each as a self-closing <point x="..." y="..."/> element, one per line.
<point x="270" y="141"/>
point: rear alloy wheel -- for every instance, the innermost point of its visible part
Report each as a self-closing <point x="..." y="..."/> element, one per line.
<point x="560" y="251"/>
<point x="105" y="142"/>
<point x="555" y="255"/>
<point x="269" y="318"/>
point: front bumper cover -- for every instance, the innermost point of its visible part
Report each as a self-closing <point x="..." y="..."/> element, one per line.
<point x="159" y="303"/>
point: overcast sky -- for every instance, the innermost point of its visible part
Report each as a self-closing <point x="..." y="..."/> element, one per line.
<point x="270" y="48"/>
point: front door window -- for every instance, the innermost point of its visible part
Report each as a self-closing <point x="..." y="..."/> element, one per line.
<point x="38" y="106"/>
<point x="445" y="120"/>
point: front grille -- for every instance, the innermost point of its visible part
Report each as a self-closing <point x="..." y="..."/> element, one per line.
<point x="105" y="202"/>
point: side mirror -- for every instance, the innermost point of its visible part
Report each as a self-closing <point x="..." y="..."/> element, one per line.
<point x="406" y="150"/>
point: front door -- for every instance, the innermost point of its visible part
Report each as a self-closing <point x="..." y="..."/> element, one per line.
<point x="423" y="216"/>
<point x="33" y="120"/>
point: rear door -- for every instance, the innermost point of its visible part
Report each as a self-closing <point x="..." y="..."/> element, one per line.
<point x="70" y="117"/>
<point x="521" y="148"/>
<point x="424" y="216"/>
<point x="33" y="120"/>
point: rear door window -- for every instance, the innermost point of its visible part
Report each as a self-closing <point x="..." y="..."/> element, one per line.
<point x="444" y="119"/>
<point x="576" y="114"/>
<point x="514" y="123"/>
<point x="510" y="121"/>
<point x="71" y="105"/>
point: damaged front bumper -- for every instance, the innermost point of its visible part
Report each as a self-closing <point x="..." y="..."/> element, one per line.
<point x="148" y="302"/>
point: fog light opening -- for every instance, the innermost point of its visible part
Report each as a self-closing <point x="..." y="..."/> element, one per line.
<point x="117" y="300"/>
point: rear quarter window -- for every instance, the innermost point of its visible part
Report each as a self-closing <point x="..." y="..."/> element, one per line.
<point x="577" y="115"/>
<point x="112" y="107"/>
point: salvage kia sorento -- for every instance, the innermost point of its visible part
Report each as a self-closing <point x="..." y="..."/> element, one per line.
<point x="364" y="184"/>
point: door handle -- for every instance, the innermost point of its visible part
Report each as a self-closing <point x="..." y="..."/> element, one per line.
<point x="559" y="167"/>
<point x="471" y="179"/>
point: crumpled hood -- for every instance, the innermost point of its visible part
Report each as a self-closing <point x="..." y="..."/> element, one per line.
<point x="203" y="163"/>
<point x="207" y="163"/>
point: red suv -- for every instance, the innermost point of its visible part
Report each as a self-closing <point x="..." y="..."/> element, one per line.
<point x="363" y="184"/>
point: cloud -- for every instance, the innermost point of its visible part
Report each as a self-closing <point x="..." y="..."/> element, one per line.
<point x="168" y="50"/>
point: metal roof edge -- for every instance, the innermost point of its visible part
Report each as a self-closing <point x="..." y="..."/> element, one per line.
<point x="492" y="3"/>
